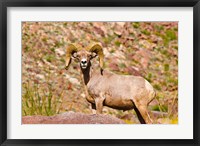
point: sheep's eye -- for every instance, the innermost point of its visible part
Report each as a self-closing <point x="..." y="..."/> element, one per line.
<point x="76" y="57"/>
<point x="89" y="56"/>
<point x="93" y="55"/>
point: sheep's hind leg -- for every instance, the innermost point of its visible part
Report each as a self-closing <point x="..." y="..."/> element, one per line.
<point x="144" y="113"/>
<point x="142" y="121"/>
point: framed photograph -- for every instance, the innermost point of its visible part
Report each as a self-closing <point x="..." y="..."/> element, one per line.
<point x="99" y="72"/>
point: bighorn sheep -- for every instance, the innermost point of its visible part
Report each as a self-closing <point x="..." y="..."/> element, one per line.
<point x="105" y="88"/>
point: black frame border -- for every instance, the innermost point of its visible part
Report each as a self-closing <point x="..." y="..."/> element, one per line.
<point x="4" y="4"/>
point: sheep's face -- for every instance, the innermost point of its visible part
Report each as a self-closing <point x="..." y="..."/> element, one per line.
<point x="84" y="57"/>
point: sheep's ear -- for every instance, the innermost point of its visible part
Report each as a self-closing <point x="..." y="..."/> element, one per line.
<point x="97" y="48"/>
<point x="71" y="49"/>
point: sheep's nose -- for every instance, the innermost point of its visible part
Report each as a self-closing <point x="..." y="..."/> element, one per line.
<point x="83" y="61"/>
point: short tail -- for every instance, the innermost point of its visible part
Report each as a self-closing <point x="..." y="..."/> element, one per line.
<point x="153" y="97"/>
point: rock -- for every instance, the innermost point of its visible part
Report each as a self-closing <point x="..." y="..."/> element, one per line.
<point x="121" y="23"/>
<point x="72" y="80"/>
<point x="72" y="118"/>
<point x="133" y="70"/>
<point x="114" y="66"/>
<point x="157" y="114"/>
<point x="60" y="52"/>
<point x="40" y="77"/>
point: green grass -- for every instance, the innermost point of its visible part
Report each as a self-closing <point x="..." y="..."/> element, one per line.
<point x="166" y="67"/>
<point x="117" y="43"/>
<point x="136" y="24"/>
<point x="50" y="58"/>
<point x="145" y="32"/>
<point x="38" y="101"/>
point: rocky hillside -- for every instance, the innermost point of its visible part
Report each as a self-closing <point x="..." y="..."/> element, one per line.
<point x="148" y="49"/>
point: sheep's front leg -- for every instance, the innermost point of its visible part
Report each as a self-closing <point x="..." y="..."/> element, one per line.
<point x="93" y="108"/>
<point x="99" y="103"/>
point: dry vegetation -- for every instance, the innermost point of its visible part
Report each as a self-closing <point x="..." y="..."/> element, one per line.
<point x="136" y="48"/>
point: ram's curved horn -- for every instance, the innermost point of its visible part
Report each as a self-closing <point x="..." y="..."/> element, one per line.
<point x="72" y="48"/>
<point x="97" y="48"/>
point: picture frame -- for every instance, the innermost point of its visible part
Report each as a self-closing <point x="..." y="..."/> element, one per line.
<point x="195" y="4"/>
